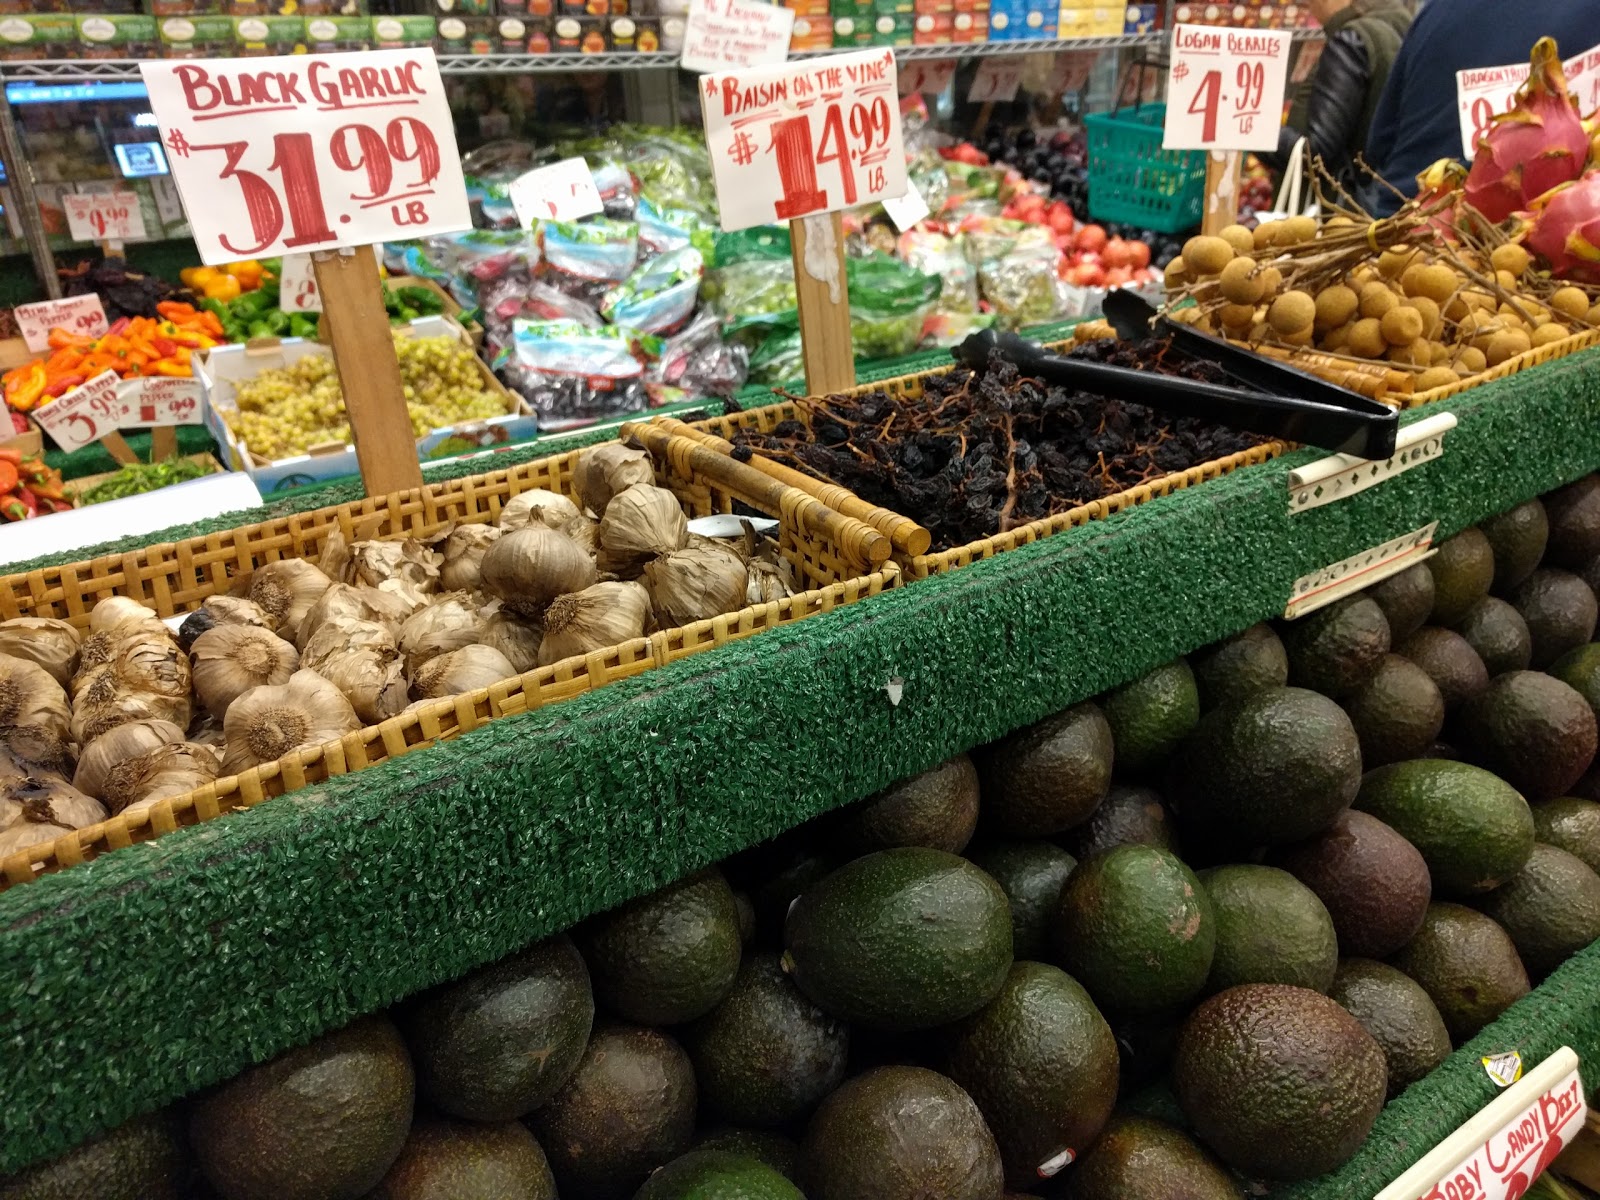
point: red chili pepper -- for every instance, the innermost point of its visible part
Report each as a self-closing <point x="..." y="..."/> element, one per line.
<point x="60" y="387"/>
<point x="118" y="328"/>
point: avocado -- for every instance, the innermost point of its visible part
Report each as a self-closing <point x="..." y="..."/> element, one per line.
<point x="470" y="1038"/>
<point x="717" y="1175"/>
<point x="1136" y="929"/>
<point x="1150" y="716"/>
<point x="1239" y="666"/>
<point x="1127" y="815"/>
<point x="1271" y="928"/>
<point x="1047" y="777"/>
<point x="1277" y="766"/>
<point x="899" y="1133"/>
<point x="1280" y="1081"/>
<point x="141" y="1159"/>
<point x="766" y="1055"/>
<point x="781" y="884"/>
<point x="937" y="809"/>
<point x="667" y="957"/>
<point x="1462" y="571"/>
<point x="1336" y="649"/>
<point x="780" y="1153"/>
<point x="1572" y="825"/>
<point x="1499" y="635"/>
<point x="902" y="939"/>
<point x="1450" y="661"/>
<point x="1472" y="829"/>
<point x="1137" y="1158"/>
<point x="1374" y="883"/>
<point x="1031" y="874"/>
<point x="1560" y="612"/>
<point x="461" y="1160"/>
<point x="1397" y="713"/>
<point x="1395" y="1010"/>
<point x="1468" y="966"/>
<point x="1580" y="670"/>
<point x="320" y="1122"/>
<point x="1533" y="731"/>
<point x="1041" y="1064"/>
<point x="628" y="1108"/>
<point x="1574" y="514"/>
<point x="1406" y="598"/>
<point x="1551" y="908"/>
<point x="1517" y="537"/>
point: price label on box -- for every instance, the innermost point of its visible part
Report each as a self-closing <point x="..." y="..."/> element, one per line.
<point x="1483" y="93"/>
<point x="83" y="415"/>
<point x="1225" y="88"/>
<point x="803" y="138"/>
<point x="1070" y="72"/>
<point x="297" y="285"/>
<point x="84" y="316"/>
<point x="103" y="216"/>
<point x="996" y="79"/>
<point x="309" y="152"/>
<point x="161" y="402"/>
<point x="926" y="76"/>
<point x="723" y="35"/>
<point x="563" y="191"/>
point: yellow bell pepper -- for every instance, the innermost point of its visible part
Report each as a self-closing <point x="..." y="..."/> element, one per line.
<point x="197" y="277"/>
<point x="248" y="273"/>
<point x="223" y="287"/>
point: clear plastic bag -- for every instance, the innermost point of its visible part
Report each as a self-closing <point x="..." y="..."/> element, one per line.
<point x="571" y="374"/>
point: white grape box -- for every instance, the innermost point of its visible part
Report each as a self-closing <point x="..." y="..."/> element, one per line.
<point x="224" y="368"/>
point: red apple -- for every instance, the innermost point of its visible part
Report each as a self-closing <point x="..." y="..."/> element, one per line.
<point x="1092" y="237"/>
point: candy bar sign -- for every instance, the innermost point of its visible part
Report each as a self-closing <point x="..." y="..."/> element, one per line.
<point x="311" y="152"/>
<point x="805" y="137"/>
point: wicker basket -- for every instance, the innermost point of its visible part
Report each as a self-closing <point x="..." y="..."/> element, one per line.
<point x="910" y="540"/>
<point x="839" y="559"/>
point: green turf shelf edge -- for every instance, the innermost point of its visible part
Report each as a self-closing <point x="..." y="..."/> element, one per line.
<point x="150" y="973"/>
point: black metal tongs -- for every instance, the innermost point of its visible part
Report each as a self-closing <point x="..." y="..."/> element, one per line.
<point x="1276" y="400"/>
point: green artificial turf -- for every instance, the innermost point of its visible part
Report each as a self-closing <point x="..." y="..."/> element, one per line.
<point x="154" y="971"/>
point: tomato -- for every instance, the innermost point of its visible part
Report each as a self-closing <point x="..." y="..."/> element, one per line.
<point x="1118" y="276"/>
<point x="1092" y="237"/>
<point x="1115" y="253"/>
<point x="1061" y="220"/>
<point x="1138" y="254"/>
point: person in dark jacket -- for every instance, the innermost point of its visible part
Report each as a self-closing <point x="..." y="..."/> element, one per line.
<point x="1335" y="110"/>
<point x="1417" y="122"/>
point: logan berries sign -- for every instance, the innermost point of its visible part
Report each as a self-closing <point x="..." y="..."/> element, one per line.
<point x="279" y="154"/>
<point x="805" y="137"/>
<point x="1225" y="88"/>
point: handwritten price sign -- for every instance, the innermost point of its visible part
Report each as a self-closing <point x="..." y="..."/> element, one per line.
<point x="161" y="402"/>
<point x="279" y="154"/>
<point x="1483" y="93"/>
<point x="103" y="217"/>
<point x="926" y="76"/>
<point x="563" y="191"/>
<point x="297" y="285"/>
<point x="1225" y="88"/>
<point x="726" y="35"/>
<point x="84" y="415"/>
<point x="996" y="79"/>
<point x="804" y="138"/>
<point x="82" y="315"/>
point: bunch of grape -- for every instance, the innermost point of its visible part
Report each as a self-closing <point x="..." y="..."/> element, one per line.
<point x="287" y="410"/>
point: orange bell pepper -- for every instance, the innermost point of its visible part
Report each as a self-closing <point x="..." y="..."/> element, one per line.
<point x="167" y="366"/>
<point x="25" y="385"/>
<point x="175" y="312"/>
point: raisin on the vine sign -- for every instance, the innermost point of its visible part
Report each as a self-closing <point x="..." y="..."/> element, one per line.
<point x="1225" y="88"/>
<point x="805" y="137"/>
<point x="311" y="152"/>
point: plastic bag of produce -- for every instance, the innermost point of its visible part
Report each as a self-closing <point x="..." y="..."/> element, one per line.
<point x="572" y="375"/>
<point x="586" y="258"/>
<point x="944" y="258"/>
<point x="696" y="362"/>
<point x="1024" y="286"/>
<point x="659" y="296"/>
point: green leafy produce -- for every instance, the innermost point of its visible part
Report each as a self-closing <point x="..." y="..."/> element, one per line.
<point x="134" y="478"/>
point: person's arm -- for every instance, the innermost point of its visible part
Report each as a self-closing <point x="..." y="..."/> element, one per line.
<point x="1338" y="94"/>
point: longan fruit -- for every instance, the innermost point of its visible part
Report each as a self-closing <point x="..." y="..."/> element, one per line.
<point x="1265" y="235"/>
<point x="1363" y="275"/>
<point x="1407" y="356"/>
<point x="1174" y="276"/>
<point x="1437" y="283"/>
<point x="1473" y="359"/>
<point x="1468" y="302"/>
<point x="1336" y="338"/>
<point x="1236" y="318"/>
<point x="1271" y="280"/>
<point x="1336" y="305"/>
<point x="1538" y="314"/>
<point x="1366" y="339"/>
<point x="1401" y="325"/>
<point x="1436" y="377"/>
<point x="1548" y="333"/>
<point x="1571" y="302"/>
<point x="1300" y="337"/>
<point x="1237" y="236"/>
<point x="1294" y="230"/>
<point x="1206" y="255"/>
<point x="1507" y="344"/>
<point x="1476" y="323"/>
<point x="1506" y="280"/>
<point x="1510" y="258"/>
<point x="1594" y="315"/>
<point x="1292" y="312"/>
<point x="1410" y="277"/>
<point x="1333" y="223"/>
<point x="1431" y="321"/>
<point x="1241" y="283"/>
<point x="1392" y="263"/>
<point x="1377" y="299"/>
<point x="1438" y="354"/>
<point x="1187" y="316"/>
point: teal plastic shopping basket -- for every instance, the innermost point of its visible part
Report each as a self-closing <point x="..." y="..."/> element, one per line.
<point x="1133" y="180"/>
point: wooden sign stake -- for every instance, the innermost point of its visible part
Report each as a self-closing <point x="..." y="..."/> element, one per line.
<point x="369" y="372"/>
<point x="117" y="446"/>
<point x="823" y="294"/>
<point x="163" y="443"/>
<point x="1223" y="168"/>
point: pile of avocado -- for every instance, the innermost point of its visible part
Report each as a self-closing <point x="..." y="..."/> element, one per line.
<point x="1260" y="891"/>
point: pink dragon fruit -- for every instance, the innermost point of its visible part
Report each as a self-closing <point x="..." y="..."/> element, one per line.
<point x="1538" y="145"/>
<point x="1565" y="231"/>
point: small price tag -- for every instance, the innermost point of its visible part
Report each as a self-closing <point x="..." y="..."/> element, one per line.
<point x="563" y="191"/>
<point x="103" y="217"/>
<point x="84" y="415"/>
<point x="83" y="315"/>
<point x="723" y="35"/>
<point x="1225" y="88"/>
<point x="309" y="152"/>
<point x="161" y="402"/>
<point x="1071" y="72"/>
<point x="1483" y="93"/>
<point x="996" y="79"/>
<point x="805" y="137"/>
<point x="926" y="76"/>
<point x="906" y="210"/>
<point x="297" y="285"/>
